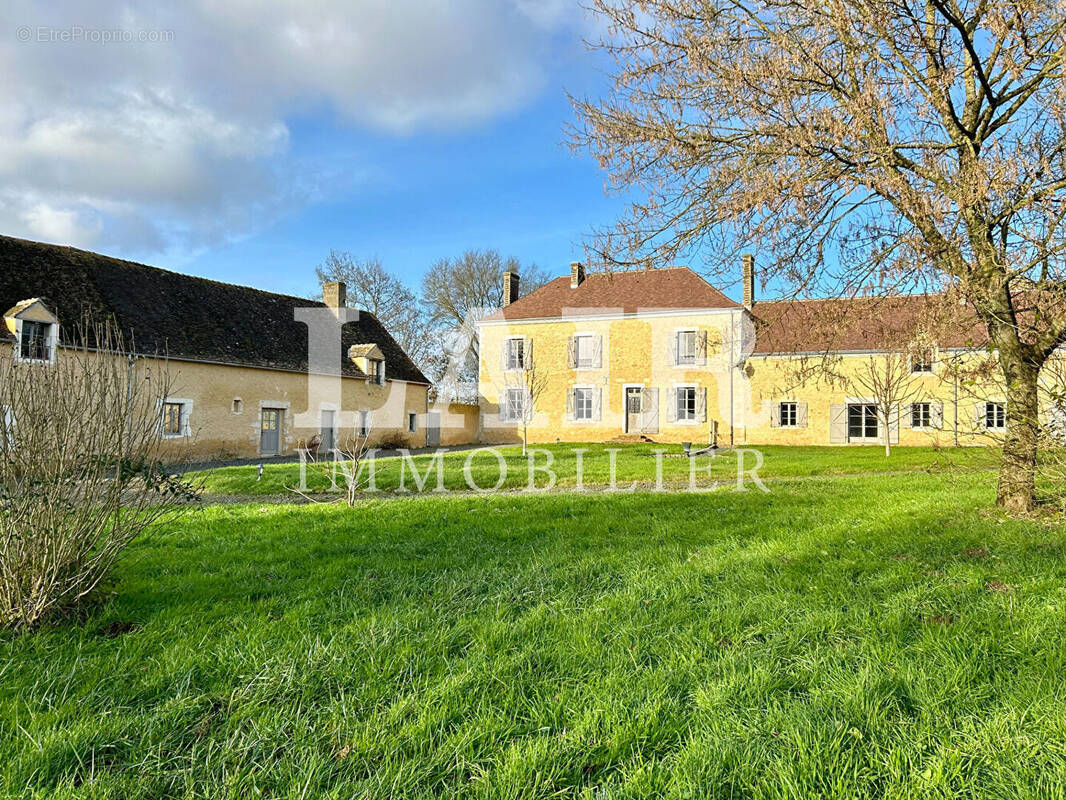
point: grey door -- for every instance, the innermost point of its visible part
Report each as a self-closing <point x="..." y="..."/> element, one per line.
<point x="433" y="429"/>
<point x="633" y="408"/>
<point x="328" y="434"/>
<point x="270" y="435"/>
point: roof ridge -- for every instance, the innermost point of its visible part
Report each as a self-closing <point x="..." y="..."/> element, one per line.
<point x="142" y="265"/>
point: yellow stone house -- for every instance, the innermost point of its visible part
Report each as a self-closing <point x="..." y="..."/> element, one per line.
<point x="243" y="382"/>
<point x="661" y="355"/>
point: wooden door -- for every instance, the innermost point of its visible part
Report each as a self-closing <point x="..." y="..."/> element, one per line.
<point x="270" y="433"/>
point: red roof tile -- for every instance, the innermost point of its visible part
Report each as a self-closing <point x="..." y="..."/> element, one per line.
<point x="605" y="292"/>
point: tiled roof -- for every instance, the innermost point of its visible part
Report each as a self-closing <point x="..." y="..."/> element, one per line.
<point x="628" y="292"/>
<point x="862" y="323"/>
<point x="183" y="316"/>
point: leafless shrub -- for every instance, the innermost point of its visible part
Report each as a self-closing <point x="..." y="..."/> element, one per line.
<point x="342" y="467"/>
<point x="80" y="470"/>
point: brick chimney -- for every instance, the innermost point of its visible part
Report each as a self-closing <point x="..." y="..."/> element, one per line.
<point x="577" y="274"/>
<point x="335" y="295"/>
<point x="510" y="287"/>
<point x="748" y="261"/>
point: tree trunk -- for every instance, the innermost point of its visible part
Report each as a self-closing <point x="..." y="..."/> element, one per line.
<point x="1017" y="472"/>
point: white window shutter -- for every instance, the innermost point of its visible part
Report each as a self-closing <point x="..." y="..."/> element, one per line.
<point x="597" y="405"/>
<point x="979" y="415"/>
<point x="701" y="347"/>
<point x="936" y="412"/>
<point x="701" y="403"/>
<point x="672" y="398"/>
<point x="838" y="424"/>
<point x="571" y="353"/>
<point x="650" y="407"/>
<point x="673" y="349"/>
<point x="527" y="355"/>
<point x="571" y="402"/>
<point x="504" y="353"/>
<point x="597" y="352"/>
<point x="775" y="416"/>
<point x="801" y="415"/>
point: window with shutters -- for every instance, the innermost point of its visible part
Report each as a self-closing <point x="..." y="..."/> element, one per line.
<point x="686" y="348"/>
<point x="585" y="356"/>
<point x="583" y="405"/>
<point x="862" y="421"/>
<point x="686" y="403"/>
<point x="516" y="353"/>
<point x="995" y="416"/>
<point x="921" y="415"/>
<point x="788" y="414"/>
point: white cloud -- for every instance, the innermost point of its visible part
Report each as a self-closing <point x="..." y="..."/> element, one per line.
<point x="149" y="145"/>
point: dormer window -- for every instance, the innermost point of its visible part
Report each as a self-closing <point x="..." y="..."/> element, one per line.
<point x="377" y="371"/>
<point x="35" y="329"/>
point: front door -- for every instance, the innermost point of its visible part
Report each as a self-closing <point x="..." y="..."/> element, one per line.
<point x="633" y="408"/>
<point x="270" y="435"/>
<point x="862" y="423"/>
<point x="328" y="435"/>
<point x="433" y="429"/>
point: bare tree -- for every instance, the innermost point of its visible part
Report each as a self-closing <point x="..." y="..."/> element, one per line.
<point x="882" y="145"/>
<point x="344" y="462"/>
<point x="523" y="386"/>
<point x="80" y="470"/>
<point x="373" y="288"/>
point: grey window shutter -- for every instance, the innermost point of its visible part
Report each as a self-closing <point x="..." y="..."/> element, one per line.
<point x="597" y="352"/>
<point x="597" y="404"/>
<point x="650" y="406"/>
<point x="801" y="415"/>
<point x="936" y="411"/>
<point x="838" y="424"/>
<point x="571" y="397"/>
<point x="701" y="347"/>
<point x="571" y="353"/>
<point x="672" y="399"/>
<point x="775" y="416"/>
<point x="701" y="404"/>
<point x="893" y="424"/>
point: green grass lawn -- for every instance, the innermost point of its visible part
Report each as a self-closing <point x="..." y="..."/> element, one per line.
<point x="868" y="636"/>
<point x="632" y="463"/>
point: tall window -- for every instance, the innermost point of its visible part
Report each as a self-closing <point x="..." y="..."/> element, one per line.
<point x="515" y="404"/>
<point x="34" y="344"/>
<point x="686" y="403"/>
<point x="173" y="419"/>
<point x="921" y="415"/>
<point x="377" y="371"/>
<point x="585" y="352"/>
<point x="995" y="416"/>
<point x="412" y="422"/>
<point x="364" y="423"/>
<point x="788" y="415"/>
<point x="686" y="347"/>
<point x="583" y="404"/>
<point x="516" y="353"/>
<point x="922" y="361"/>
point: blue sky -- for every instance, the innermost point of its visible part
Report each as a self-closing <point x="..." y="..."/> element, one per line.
<point x="241" y="140"/>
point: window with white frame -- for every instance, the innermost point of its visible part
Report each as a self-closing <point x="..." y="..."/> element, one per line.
<point x="922" y="361"/>
<point x="35" y="341"/>
<point x="585" y="356"/>
<point x="516" y="353"/>
<point x="583" y="402"/>
<point x="514" y="404"/>
<point x="685" y="397"/>
<point x="175" y="418"/>
<point x="995" y="416"/>
<point x="921" y="415"/>
<point x="788" y="414"/>
<point x="377" y="371"/>
<point x="686" y="348"/>
<point x="412" y="422"/>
